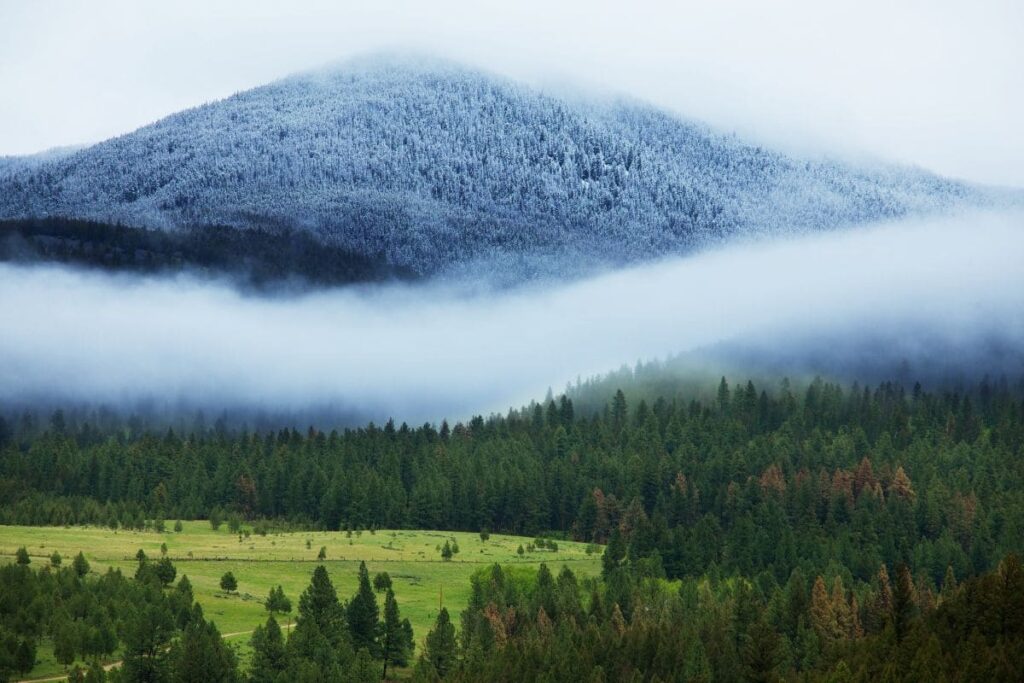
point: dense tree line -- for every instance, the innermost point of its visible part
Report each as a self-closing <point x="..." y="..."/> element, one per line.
<point x="89" y="618"/>
<point x="333" y="641"/>
<point x="161" y="635"/>
<point x="256" y="257"/>
<point x="746" y="482"/>
<point x="528" y="627"/>
<point x="820" y="533"/>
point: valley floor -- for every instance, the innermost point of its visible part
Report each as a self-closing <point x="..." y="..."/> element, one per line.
<point x="422" y="580"/>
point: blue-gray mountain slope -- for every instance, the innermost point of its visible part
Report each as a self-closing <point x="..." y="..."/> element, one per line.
<point x="436" y="168"/>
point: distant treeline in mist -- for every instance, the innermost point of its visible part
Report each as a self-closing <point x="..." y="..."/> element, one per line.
<point x="252" y="257"/>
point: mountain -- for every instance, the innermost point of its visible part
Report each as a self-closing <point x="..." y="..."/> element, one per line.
<point x="433" y="167"/>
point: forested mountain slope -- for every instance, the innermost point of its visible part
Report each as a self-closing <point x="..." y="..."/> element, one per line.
<point x="432" y="167"/>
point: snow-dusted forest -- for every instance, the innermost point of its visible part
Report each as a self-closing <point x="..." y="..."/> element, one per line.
<point x="435" y="167"/>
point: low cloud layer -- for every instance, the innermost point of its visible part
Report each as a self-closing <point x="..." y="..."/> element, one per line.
<point x="426" y="352"/>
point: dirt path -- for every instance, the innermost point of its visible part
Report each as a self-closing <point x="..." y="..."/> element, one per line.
<point x="114" y="665"/>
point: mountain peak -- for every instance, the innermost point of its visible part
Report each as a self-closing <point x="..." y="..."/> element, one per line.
<point x="436" y="167"/>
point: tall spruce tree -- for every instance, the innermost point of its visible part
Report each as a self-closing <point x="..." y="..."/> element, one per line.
<point x="441" y="649"/>
<point x="396" y="645"/>
<point x="148" y="632"/>
<point x="903" y="604"/>
<point x="364" y="615"/>
<point x="319" y="607"/>
<point x="269" y="655"/>
<point x="200" y="655"/>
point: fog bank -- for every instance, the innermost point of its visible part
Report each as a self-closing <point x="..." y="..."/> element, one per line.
<point x="426" y="352"/>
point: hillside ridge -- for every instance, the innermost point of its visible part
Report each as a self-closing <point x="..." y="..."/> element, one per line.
<point x="439" y="167"/>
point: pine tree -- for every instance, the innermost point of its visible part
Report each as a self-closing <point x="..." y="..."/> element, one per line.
<point x="841" y="609"/>
<point x="64" y="642"/>
<point x="761" y="653"/>
<point x="618" y="620"/>
<point x="880" y="609"/>
<point x="363" y="669"/>
<point x="269" y="655"/>
<point x="201" y="655"/>
<point x="24" y="657"/>
<point x="902" y="601"/>
<point x="165" y="571"/>
<point x="96" y="674"/>
<point x="441" y="650"/>
<point x="319" y="608"/>
<point x="1011" y="578"/>
<point x="80" y="564"/>
<point x="21" y="556"/>
<point x="394" y="641"/>
<point x="363" y="615"/>
<point x="948" y="583"/>
<point x="614" y="553"/>
<point x="148" y="631"/>
<point x="822" y="614"/>
<point x="277" y="602"/>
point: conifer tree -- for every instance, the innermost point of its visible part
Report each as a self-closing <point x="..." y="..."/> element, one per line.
<point x="277" y="602"/>
<point x="319" y="607"/>
<point x="841" y="609"/>
<point x="80" y="565"/>
<point x="618" y="620"/>
<point x="200" y="655"/>
<point x="95" y="674"/>
<point x="441" y="650"/>
<point x="902" y="601"/>
<point x="880" y="609"/>
<point x="761" y="652"/>
<point x="394" y="642"/>
<point x="822" y="614"/>
<point x="269" y="655"/>
<point x="614" y="553"/>
<point x="148" y="631"/>
<point x="948" y="583"/>
<point x="64" y="642"/>
<point x="363" y="615"/>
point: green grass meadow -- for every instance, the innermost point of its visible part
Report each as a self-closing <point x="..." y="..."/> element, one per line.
<point x="422" y="581"/>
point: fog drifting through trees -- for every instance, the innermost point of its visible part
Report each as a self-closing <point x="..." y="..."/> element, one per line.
<point x="430" y="351"/>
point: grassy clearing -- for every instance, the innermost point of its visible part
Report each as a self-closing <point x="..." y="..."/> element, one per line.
<point x="421" y="579"/>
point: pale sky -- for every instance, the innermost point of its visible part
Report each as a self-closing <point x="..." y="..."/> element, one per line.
<point x="939" y="84"/>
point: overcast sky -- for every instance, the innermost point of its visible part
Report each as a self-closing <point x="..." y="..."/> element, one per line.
<point x="939" y="84"/>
